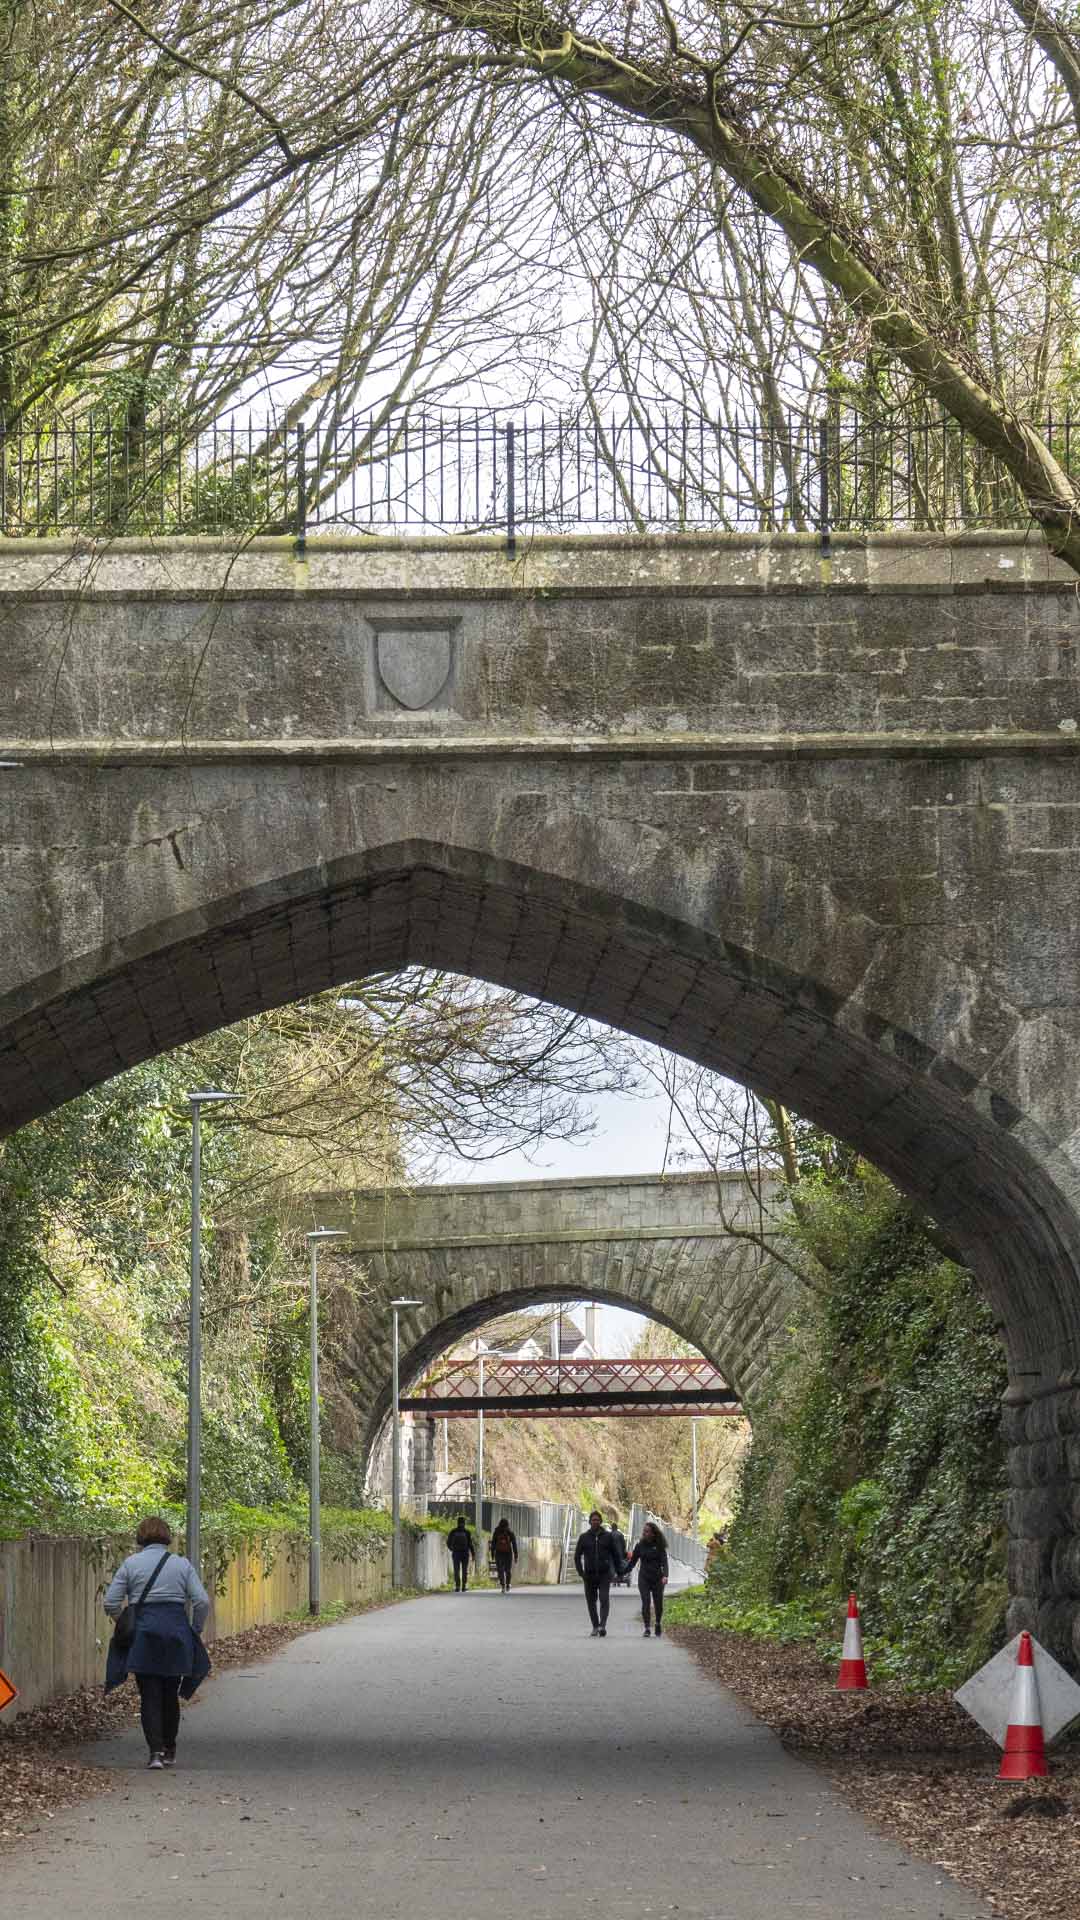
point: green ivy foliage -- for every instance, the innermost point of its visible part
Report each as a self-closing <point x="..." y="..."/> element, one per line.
<point x="94" y="1226"/>
<point x="877" y="1465"/>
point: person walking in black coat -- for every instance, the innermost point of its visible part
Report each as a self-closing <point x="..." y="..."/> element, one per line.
<point x="622" y="1578"/>
<point x="597" y="1559"/>
<point x="650" y="1559"/>
<point x="504" y="1547"/>
<point x="462" y="1548"/>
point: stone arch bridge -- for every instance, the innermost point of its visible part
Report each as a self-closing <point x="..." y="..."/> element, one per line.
<point x="683" y="1249"/>
<point x="811" y="820"/>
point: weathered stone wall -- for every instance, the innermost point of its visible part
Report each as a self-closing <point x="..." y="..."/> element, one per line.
<point x="1043" y="1507"/>
<point x="814" y="823"/>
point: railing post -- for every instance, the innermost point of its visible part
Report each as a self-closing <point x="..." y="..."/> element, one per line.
<point x="823" y="485"/>
<point x="301" y="493"/>
<point x="511" y="495"/>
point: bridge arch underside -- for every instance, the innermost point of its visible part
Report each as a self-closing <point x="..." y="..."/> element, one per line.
<point x="900" y="1031"/>
<point x="417" y="1357"/>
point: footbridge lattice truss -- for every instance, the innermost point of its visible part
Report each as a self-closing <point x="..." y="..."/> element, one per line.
<point x="533" y="1389"/>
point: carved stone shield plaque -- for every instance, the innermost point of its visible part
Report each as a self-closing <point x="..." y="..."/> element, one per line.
<point x="414" y="663"/>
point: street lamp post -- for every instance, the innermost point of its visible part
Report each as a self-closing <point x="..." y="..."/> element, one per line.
<point x="202" y="1097"/>
<point x="480" y="1453"/>
<point x="693" y="1478"/>
<point x="395" y="1452"/>
<point x="315" y="1239"/>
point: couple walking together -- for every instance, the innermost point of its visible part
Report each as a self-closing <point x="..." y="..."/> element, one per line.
<point x="600" y="1558"/>
<point x="504" y="1552"/>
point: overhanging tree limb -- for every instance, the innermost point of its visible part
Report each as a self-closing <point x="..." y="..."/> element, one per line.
<point x="1061" y="47"/>
<point x="689" y="101"/>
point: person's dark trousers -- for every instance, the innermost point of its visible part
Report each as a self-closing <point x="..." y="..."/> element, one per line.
<point x="504" y="1567"/>
<point x="159" y="1703"/>
<point x="597" y="1599"/>
<point x="461" y="1571"/>
<point x="654" y="1591"/>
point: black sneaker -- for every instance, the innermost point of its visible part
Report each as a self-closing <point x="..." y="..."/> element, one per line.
<point x="659" y="1633"/>
<point x="646" y="1635"/>
<point x="168" y="1758"/>
<point x="603" y="1633"/>
<point x="595" y="1634"/>
<point x="156" y="1761"/>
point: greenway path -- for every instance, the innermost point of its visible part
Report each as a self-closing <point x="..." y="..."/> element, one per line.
<point x="462" y="1758"/>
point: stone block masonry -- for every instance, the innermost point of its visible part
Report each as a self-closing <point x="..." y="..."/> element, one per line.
<point x="681" y="1248"/>
<point x="812" y="822"/>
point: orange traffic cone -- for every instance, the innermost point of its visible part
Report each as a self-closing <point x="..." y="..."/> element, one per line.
<point x="852" y="1664"/>
<point x="1024" y="1757"/>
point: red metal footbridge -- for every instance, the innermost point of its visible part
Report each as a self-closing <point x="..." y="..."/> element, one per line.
<point x="558" y="1389"/>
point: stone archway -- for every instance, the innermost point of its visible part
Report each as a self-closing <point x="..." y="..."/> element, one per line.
<point x="672" y="1248"/>
<point x="812" y="826"/>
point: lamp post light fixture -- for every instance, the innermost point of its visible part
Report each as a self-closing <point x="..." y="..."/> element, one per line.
<point x="202" y="1097"/>
<point x="315" y="1239"/>
<point x="396" y="1307"/>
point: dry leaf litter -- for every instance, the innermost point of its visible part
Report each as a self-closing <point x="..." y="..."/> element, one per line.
<point x="920" y="1769"/>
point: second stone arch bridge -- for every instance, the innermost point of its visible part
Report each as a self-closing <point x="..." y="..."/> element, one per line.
<point x="686" y="1250"/>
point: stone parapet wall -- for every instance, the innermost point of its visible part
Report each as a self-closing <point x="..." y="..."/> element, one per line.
<point x="1043" y="1512"/>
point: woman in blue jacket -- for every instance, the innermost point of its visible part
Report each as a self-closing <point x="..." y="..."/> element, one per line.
<point x="166" y="1654"/>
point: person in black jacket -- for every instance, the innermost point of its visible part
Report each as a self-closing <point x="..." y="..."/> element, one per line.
<point x="461" y="1546"/>
<point x="597" y="1560"/>
<point x="623" y="1576"/>
<point x="650" y="1559"/>
<point x="504" y="1549"/>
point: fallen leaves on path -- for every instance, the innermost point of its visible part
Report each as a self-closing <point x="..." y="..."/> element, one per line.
<point x="916" y="1766"/>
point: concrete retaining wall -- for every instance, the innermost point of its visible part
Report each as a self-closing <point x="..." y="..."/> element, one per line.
<point x="53" y="1632"/>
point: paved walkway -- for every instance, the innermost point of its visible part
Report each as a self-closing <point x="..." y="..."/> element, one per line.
<point x="471" y="1758"/>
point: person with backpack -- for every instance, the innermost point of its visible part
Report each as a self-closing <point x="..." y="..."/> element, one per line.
<point x="650" y="1558"/>
<point x="462" y="1548"/>
<point x="504" y="1550"/>
<point x="622" y="1578"/>
<point x="148" y="1599"/>
<point x="597" y="1561"/>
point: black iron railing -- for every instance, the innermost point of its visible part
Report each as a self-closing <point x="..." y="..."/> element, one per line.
<point x="510" y="474"/>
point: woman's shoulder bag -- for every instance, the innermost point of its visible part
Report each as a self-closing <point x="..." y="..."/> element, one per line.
<point x="128" y="1621"/>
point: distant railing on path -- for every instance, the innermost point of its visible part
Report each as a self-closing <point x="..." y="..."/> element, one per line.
<point x="545" y="1520"/>
<point x="682" y="1547"/>
<point x="512" y="474"/>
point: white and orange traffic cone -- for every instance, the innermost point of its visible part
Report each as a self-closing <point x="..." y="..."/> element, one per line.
<point x="852" y="1664"/>
<point x="1024" y="1757"/>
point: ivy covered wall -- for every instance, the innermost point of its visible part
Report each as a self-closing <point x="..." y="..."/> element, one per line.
<point x="879" y="1466"/>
